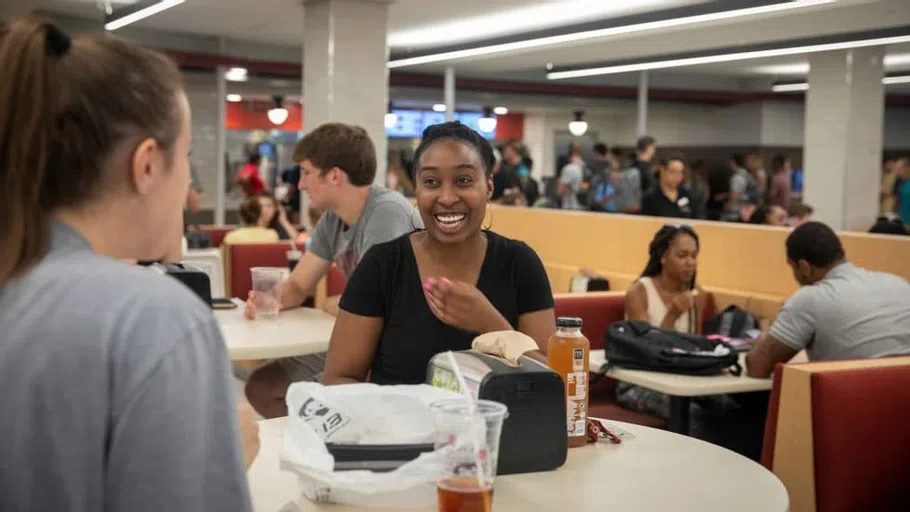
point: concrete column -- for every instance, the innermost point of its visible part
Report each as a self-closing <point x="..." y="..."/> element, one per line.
<point x="345" y="78"/>
<point x="642" y="126"/>
<point x="449" y="93"/>
<point x="540" y="139"/>
<point x="220" y="145"/>
<point x="843" y="143"/>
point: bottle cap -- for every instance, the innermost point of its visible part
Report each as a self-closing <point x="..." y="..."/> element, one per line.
<point x="568" y="321"/>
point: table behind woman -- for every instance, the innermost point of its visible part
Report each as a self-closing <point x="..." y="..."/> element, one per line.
<point x="435" y="290"/>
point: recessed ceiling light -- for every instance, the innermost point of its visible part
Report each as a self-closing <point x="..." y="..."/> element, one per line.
<point x="439" y="107"/>
<point x="236" y="75"/>
<point x="234" y="98"/>
<point x="500" y="111"/>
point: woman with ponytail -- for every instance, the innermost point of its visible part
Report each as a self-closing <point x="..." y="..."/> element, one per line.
<point x="116" y="386"/>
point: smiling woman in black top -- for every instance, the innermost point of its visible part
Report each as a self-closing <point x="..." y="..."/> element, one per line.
<point x="436" y="290"/>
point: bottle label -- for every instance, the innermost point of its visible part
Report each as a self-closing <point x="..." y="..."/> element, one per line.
<point x="576" y="394"/>
<point x="578" y="359"/>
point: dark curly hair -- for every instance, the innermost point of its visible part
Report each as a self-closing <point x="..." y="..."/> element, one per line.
<point x="457" y="131"/>
<point x="661" y="243"/>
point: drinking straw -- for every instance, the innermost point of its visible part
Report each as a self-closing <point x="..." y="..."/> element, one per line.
<point x="462" y="385"/>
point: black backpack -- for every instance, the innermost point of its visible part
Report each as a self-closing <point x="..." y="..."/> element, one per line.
<point x="638" y="345"/>
<point x="733" y="322"/>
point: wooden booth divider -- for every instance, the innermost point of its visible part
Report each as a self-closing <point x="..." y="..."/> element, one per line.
<point x="740" y="264"/>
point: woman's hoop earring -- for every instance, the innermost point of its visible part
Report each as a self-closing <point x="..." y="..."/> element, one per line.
<point x="491" y="218"/>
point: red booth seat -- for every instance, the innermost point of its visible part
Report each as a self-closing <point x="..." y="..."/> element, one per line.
<point x="334" y="282"/>
<point x="858" y="454"/>
<point x="597" y="311"/>
<point x="242" y="257"/>
<point x="217" y="233"/>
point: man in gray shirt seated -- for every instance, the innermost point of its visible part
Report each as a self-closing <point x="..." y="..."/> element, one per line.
<point x="337" y="164"/>
<point x="841" y="311"/>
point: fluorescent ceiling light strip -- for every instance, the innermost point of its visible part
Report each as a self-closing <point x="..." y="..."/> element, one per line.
<point x="726" y="57"/>
<point x="790" y="87"/>
<point x="611" y="31"/>
<point x="804" y="86"/>
<point x="141" y="14"/>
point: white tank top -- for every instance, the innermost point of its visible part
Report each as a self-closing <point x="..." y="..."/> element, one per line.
<point x="657" y="310"/>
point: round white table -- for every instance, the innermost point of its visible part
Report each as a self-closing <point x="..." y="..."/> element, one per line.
<point x="295" y="332"/>
<point x="655" y="470"/>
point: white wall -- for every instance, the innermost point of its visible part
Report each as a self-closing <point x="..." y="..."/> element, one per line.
<point x="782" y="125"/>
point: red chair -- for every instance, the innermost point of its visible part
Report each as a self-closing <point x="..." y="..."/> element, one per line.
<point x="334" y="282"/>
<point x="217" y="233"/>
<point x="242" y="257"/>
<point x="858" y="434"/>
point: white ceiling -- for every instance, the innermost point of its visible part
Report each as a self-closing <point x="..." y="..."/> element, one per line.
<point x="280" y="22"/>
<point x="412" y="23"/>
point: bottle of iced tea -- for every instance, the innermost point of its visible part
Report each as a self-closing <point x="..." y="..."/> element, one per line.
<point x="567" y="355"/>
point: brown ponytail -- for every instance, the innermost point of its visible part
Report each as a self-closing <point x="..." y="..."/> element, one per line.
<point x="65" y="106"/>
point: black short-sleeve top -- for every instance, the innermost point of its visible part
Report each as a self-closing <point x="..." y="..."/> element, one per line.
<point x="386" y="284"/>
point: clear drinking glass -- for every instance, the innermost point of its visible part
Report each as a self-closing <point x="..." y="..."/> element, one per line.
<point x="467" y="442"/>
<point x="266" y="283"/>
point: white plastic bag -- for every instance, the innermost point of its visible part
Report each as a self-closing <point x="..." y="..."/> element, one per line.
<point x="361" y="414"/>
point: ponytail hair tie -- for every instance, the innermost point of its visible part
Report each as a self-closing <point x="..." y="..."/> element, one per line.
<point x="58" y="43"/>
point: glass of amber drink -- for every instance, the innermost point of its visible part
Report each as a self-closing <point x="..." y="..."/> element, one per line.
<point x="467" y="442"/>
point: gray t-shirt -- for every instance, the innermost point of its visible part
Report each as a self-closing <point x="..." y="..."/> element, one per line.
<point x="628" y="188"/>
<point x="852" y="313"/>
<point x="386" y="215"/>
<point x="116" y="391"/>
<point x="572" y="175"/>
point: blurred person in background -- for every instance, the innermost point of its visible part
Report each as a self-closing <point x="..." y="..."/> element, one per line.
<point x="800" y="213"/>
<point x="781" y="182"/>
<point x="889" y="181"/>
<point x="601" y="163"/>
<point x="275" y="217"/>
<point x="397" y="177"/>
<point x="505" y="174"/>
<point x="669" y="198"/>
<point x="515" y="156"/>
<point x="248" y="177"/>
<point x="718" y="192"/>
<point x="744" y="191"/>
<point x="572" y="148"/>
<point x="645" y="149"/>
<point x="194" y="196"/>
<point x="769" y="215"/>
<point x="290" y="178"/>
<point x="117" y="389"/>
<point x="889" y="225"/>
<point x="571" y="180"/>
<point x="696" y="182"/>
<point x="252" y="228"/>
<point x="756" y="167"/>
<point x="902" y="190"/>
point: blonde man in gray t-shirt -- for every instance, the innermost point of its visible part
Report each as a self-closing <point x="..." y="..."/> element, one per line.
<point x="338" y="165"/>
<point x="840" y="312"/>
